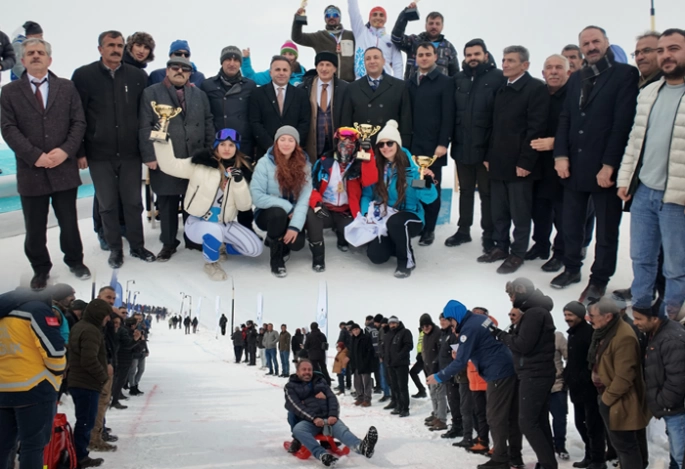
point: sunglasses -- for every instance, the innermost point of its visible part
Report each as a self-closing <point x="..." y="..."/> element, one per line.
<point x="185" y="69"/>
<point x="385" y="144"/>
<point x="181" y="54"/>
<point x="332" y="15"/>
<point x="228" y="134"/>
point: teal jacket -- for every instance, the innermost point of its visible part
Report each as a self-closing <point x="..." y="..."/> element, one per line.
<point x="263" y="78"/>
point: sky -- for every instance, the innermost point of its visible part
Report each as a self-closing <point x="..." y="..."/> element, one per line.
<point x="544" y="26"/>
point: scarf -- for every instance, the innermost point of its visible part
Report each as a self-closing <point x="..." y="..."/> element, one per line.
<point x="590" y="73"/>
<point x="337" y="29"/>
<point x="600" y="341"/>
<point x="230" y="81"/>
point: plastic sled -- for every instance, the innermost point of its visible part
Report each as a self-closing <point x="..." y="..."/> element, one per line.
<point x="327" y="442"/>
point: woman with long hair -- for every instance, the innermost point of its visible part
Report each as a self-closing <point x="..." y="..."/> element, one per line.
<point x="281" y="186"/>
<point x="396" y="174"/>
<point x="217" y="191"/>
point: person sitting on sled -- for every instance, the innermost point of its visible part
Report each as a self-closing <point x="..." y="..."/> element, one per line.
<point x="313" y="409"/>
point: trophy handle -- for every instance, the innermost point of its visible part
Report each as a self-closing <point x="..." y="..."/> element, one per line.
<point x="154" y="108"/>
<point x="176" y="112"/>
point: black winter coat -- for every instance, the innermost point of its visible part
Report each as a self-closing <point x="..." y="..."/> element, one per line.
<point x="314" y="345"/>
<point x="665" y="370"/>
<point x="398" y="345"/>
<point x="140" y="349"/>
<point x="7" y="55"/>
<point x="577" y="375"/>
<point x="231" y="108"/>
<point x="300" y="398"/>
<point x="549" y="186"/>
<point x="237" y="338"/>
<point x="430" y="351"/>
<point x="475" y="91"/>
<point x="362" y="355"/>
<point x="447" y="339"/>
<point x="345" y="337"/>
<point x="251" y="337"/>
<point x="296" y="343"/>
<point x="126" y="343"/>
<point x="532" y="344"/>
<point x="519" y="117"/>
<point x="111" y="108"/>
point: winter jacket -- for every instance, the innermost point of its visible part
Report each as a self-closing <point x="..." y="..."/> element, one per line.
<point x="382" y="331"/>
<point x="367" y="36"/>
<point x="32" y="352"/>
<point x="7" y="57"/>
<point x="549" y="185"/>
<point x="264" y="78"/>
<point x="532" y="343"/>
<point x="447" y="61"/>
<point x="237" y="339"/>
<point x="398" y="345"/>
<point x="474" y="97"/>
<point x="223" y="321"/>
<point x="315" y="345"/>
<point x="111" y="343"/>
<point x="140" y="349"/>
<point x="230" y="107"/>
<point x="284" y="341"/>
<point x="372" y="332"/>
<point x="665" y="370"/>
<point x="520" y="116"/>
<point x="87" y="354"/>
<point x="18" y="46"/>
<point x="266" y="193"/>
<point x="341" y="362"/>
<point x="560" y="352"/>
<point x="492" y="358"/>
<point x="632" y="158"/>
<point x="430" y="351"/>
<point x="362" y="355"/>
<point x="190" y="131"/>
<point x="577" y="375"/>
<point x="358" y="175"/>
<point x="270" y="340"/>
<point x="126" y="343"/>
<point x="158" y="76"/>
<point x="340" y="42"/>
<point x="447" y="339"/>
<point x="63" y="323"/>
<point x="476" y="383"/>
<point x="251" y="337"/>
<point x="296" y="343"/>
<point x="344" y="337"/>
<point x="300" y="398"/>
<point x="111" y="108"/>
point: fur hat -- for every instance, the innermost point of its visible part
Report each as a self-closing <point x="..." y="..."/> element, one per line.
<point x="326" y="56"/>
<point x="144" y="39"/>
<point x="390" y="132"/>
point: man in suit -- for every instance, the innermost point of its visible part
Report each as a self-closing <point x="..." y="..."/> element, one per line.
<point x="430" y="93"/>
<point x="277" y="104"/>
<point x="592" y="135"/>
<point x="43" y="123"/>
<point x="190" y="131"/>
<point x="377" y="98"/>
<point x="326" y="94"/>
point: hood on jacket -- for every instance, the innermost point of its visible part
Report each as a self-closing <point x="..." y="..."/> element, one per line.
<point x="537" y="299"/>
<point x="455" y="310"/>
<point x="23" y="299"/>
<point x="96" y="311"/>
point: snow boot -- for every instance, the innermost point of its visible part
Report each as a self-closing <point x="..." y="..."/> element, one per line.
<point x="90" y="462"/>
<point x="318" y="256"/>
<point x="366" y="447"/>
<point x="295" y="446"/>
<point x="215" y="271"/>
<point x="328" y="459"/>
<point x="277" y="248"/>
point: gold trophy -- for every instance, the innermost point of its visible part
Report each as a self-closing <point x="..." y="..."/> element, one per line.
<point x="366" y="131"/>
<point x="302" y="19"/>
<point x="424" y="163"/>
<point x="412" y="14"/>
<point x="165" y="114"/>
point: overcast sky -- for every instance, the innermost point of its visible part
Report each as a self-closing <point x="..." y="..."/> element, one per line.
<point x="544" y="26"/>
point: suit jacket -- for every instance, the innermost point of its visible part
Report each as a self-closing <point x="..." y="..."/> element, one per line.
<point x="190" y="131"/>
<point x="30" y="132"/>
<point x="597" y="134"/>
<point x="389" y="101"/>
<point x="266" y="119"/>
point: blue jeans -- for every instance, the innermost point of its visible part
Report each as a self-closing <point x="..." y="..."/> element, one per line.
<point x="285" y="362"/>
<point x="558" y="407"/>
<point x="675" y="426"/>
<point x="293" y="420"/>
<point x="653" y="223"/>
<point x="384" y="382"/>
<point x="86" y="404"/>
<point x="32" y="427"/>
<point x="271" y="360"/>
<point x="305" y="432"/>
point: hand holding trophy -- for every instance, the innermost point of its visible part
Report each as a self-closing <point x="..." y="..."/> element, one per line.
<point x="165" y="114"/>
<point x="412" y="13"/>
<point x="300" y="17"/>
<point x="424" y="163"/>
<point x="366" y="131"/>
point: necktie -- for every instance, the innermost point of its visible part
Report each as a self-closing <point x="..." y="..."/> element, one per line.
<point x="374" y="85"/>
<point x="181" y="98"/>
<point x="421" y="77"/>
<point x="38" y="94"/>
<point x="324" y="97"/>
<point x="279" y="98"/>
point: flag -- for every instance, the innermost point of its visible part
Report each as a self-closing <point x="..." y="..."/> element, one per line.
<point x="260" y="309"/>
<point x="114" y="283"/>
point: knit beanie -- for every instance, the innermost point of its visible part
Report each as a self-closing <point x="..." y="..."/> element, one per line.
<point x="179" y="44"/>
<point x="378" y="9"/>
<point x="326" y="56"/>
<point x="576" y="308"/>
<point x="390" y="132"/>
<point x="426" y="320"/>
<point x="289" y="47"/>
<point x="378" y="318"/>
<point x="78" y="305"/>
<point x="173" y="60"/>
<point x="355" y="326"/>
<point x="287" y="130"/>
<point x="231" y="52"/>
<point x="393" y="320"/>
<point x="61" y="291"/>
<point x="144" y="39"/>
<point x="31" y="27"/>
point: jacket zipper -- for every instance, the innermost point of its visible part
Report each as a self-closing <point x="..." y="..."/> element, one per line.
<point x="190" y="202"/>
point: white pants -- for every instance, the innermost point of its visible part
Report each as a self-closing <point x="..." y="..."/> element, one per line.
<point x="243" y="240"/>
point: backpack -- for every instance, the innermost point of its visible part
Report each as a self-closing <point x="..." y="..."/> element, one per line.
<point x="60" y="453"/>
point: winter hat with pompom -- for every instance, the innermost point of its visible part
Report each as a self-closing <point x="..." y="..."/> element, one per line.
<point x="390" y="132"/>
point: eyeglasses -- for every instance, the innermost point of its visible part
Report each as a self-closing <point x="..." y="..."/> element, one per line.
<point x="645" y="51"/>
<point x="185" y="69"/>
<point x="228" y="134"/>
<point x="386" y="144"/>
<point x="332" y="15"/>
<point x="181" y="53"/>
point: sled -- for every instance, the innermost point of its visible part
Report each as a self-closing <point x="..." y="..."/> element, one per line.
<point x="327" y="442"/>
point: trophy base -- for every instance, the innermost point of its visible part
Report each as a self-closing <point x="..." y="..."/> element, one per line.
<point x="411" y="14"/>
<point x="159" y="136"/>
<point x="419" y="184"/>
<point x="300" y="19"/>
<point x="363" y="156"/>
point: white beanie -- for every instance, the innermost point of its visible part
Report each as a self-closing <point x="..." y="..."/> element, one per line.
<point x="390" y="132"/>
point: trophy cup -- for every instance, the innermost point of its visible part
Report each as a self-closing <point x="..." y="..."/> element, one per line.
<point x="302" y="19"/>
<point x="165" y="114"/>
<point x="424" y="163"/>
<point x="366" y="131"/>
<point x="412" y="14"/>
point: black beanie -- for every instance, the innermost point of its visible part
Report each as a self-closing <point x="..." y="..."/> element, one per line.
<point x="326" y="56"/>
<point x="425" y="320"/>
<point x="576" y="308"/>
<point x="31" y="27"/>
<point x="378" y="318"/>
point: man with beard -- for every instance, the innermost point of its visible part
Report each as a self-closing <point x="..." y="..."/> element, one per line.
<point x="476" y="86"/>
<point x="574" y="56"/>
<point x="334" y="39"/>
<point x="446" y="62"/>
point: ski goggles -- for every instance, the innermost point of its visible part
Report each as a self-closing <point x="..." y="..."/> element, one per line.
<point x="346" y="132"/>
<point x="227" y="134"/>
<point x="332" y="13"/>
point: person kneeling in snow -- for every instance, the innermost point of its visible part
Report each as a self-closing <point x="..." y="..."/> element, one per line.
<point x="217" y="191"/>
<point x="314" y="409"/>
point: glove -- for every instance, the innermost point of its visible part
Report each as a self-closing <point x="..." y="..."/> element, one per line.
<point x="236" y="174"/>
<point x="429" y="181"/>
<point x="321" y="211"/>
<point x="365" y="145"/>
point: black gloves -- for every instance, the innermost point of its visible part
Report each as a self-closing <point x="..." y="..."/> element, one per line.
<point x="321" y="211"/>
<point x="236" y="174"/>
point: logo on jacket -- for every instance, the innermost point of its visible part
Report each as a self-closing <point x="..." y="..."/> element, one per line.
<point x="462" y="338"/>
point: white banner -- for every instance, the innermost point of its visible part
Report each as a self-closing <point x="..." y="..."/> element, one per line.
<point x="260" y="309"/>
<point x="322" y="308"/>
<point x="218" y="314"/>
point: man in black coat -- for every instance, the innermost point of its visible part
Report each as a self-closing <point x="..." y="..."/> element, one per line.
<point x="398" y="345"/>
<point x="583" y="393"/>
<point x="229" y="98"/>
<point x="7" y="56"/>
<point x="430" y="94"/>
<point x="520" y="116"/>
<point x="316" y="346"/>
<point x="110" y="92"/>
<point x="362" y="364"/>
<point x="190" y="131"/>
<point x="277" y="104"/>
<point x="377" y="98"/>
<point x="251" y="343"/>
<point x="475" y="89"/>
<point x="593" y="132"/>
<point x="43" y="123"/>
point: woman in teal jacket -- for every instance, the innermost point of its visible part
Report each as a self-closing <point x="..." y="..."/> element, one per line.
<point x="396" y="172"/>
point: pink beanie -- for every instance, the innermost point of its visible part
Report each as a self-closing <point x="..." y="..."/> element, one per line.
<point x="291" y="47"/>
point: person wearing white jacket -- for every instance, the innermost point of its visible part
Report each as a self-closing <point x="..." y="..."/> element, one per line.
<point x="217" y="191"/>
<point x="373" y="34"/>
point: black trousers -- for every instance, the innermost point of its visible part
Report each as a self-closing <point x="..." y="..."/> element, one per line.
<point x="252" y="352"/>
<point x="168" y="218"/>
<point x="432" y="210"/>
<point x="415" y="371"/>
<point x="480" y="411"/>
<point x="548" y="213"/>
<point x="338" y="221"/>
<point x="471" y="175"/>
<point x="223" y="330"/>
<point x="626" y="443"/>
<point x="116" y="180"/>
<point x="512" y="201"/>
<point x="402" y="226"/>
<point x="534" y="418"/>
<point x="97" y="220"/>
<point x="35" y="210"/>
<point x="120" y="377"/>
<point x="503" y="412"/>
<point x="238" y="350"/>
<point x="454" y="401"/>
<point x="590" y="428"/>
<point x="399" y="386"/>
<point x="320" y="366"/>
<point x="275" y="222"/>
